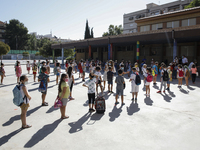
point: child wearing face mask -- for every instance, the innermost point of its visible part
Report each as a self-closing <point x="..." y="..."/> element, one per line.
<point x="27" y="98"/>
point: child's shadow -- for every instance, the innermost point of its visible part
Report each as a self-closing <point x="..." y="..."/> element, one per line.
<point x="190" y="88"/>
<point x="166" y="97"/>
<point x="184" y="91"/>
<point x="172" y="94"/>
<point x="155" y="87"/>
<point x="86" y="103"/>
<point x="148" y="101"/>
<point x="133" y="108"/>
<point x="115" y="113"/>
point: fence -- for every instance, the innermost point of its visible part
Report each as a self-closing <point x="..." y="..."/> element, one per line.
<point x="21" y="51"/>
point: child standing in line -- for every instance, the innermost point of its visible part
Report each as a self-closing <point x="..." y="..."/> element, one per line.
<point x="134" y="87"/>
<point x="144" y="70"/>
<point x="110" y="75"/>
<point x="164" y="78"/>
<point x="90" y="84"/>
<point x="28" y="66"/>
<point x="27" y="98"/>
<point x="83" y="64"/>
<point x="38" y="65"/>
<point x="70" y="81"/>
<point x="2" y="72"/>
<point x="63" y="92"/>
<point x="34" y="68"/>
<point x="120" y="87"/>
<point x="194" y="72"/>
<point x="45" y="78"/>
<point x="43" y="65"/>
<point x="170" y="77"/>
<point x="180" y="74"/>
<point x="148" y="81"/>
<point x="99" y="80"/>
<point x="48" y="68"/>
<point x="57" y="72"/>
<point x="186" y="74"/>
<point x="18" y="71"/>
<point x="105" y="76"/>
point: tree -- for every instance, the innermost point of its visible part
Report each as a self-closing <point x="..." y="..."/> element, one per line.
<point x="92" y="34"/>
<point x="194" y="3"/>
<point x="87" y="31"/>
<point x="69" y="53"/>
<point x="4" y="49"/>
<point x="113" y="30"/>
<point x="17" y="34"/>
<point x="32" y="42"/>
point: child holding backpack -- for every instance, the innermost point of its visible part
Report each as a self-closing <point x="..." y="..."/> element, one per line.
<point x="134" y="86"/>
<point x="164" y="78"/>
<point x="148" y="81"/>
<point x="43" y="79"/>
<point x="2" y="72"/>
<point x="180" y="74"/>
<point x="27" y="98"/>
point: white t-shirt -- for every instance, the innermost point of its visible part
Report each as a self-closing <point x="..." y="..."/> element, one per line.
<point x="134" y="87"/>
<point x="98" y="74"/>
<point x="144" y="70"/>
<point x="26" y="100"/>
<point x="184" y="60"/>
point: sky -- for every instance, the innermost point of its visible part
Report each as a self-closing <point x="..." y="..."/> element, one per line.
<point x="67" y="18"/>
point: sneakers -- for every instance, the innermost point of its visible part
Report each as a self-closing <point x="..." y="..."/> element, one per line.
<point x="163" y="91"/>
<point x="132" y="99"/>
<point x="45" y="104"/>
<point x="159" y="92"/>
<point x="167" y="89"/>
<point x="91" y="110"/>
<point x="116" y="103"/>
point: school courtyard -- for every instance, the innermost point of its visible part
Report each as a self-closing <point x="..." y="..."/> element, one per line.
<point x="168" y="121"/>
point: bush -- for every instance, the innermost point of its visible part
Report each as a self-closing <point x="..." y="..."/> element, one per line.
<point x="37" y="54"/>
<point x="25" y="54"/>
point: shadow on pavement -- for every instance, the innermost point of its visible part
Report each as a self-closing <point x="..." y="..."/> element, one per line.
<point x="6" y="138"/>
<point x="17" y="117"/>
<point x="190" y="88"/>
<point x="156" y="87"/>
<point x="7" y="85"/>
<point x="31" y="90"/>
<point x="95" y="117"/>
<point x="148" y="101"/>
<point x="42" y="133"/>
<point x="172" y="94"/>
<point x="115" y="113"/>
<point x="86" y="103"/>
<point x="133" y="108"/>
<point x="52" y="109"/>
<point x="77" y="126"/>
<point x="166" y="97"/>
<point x="184" y="91"/>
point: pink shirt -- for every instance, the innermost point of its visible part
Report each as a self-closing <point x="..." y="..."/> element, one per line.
<point x="194" y="70"/>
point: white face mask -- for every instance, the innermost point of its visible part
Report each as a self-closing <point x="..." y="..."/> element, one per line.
<point x="26" y="83"/>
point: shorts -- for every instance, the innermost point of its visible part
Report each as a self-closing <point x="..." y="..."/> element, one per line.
<point x="110" y="82"/>
<point x="91" y="98"/>
<point x="120" y="92"/>
<point x="28" y="68"/>
<point x="156" y="75"/>
<point x="34" y="72"/>
<point x="58" y="74"/>
<point x="98" y="82"/>
<point x="168" y="82"/>
<point x="147" y="83"/>
<point x="24" y="106"/>
<point x="64" y="101"/>
<point x="71" y="86"/>
<point x="83" y="73"/>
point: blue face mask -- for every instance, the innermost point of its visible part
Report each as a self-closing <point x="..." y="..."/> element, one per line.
<point x="122" y="68"/>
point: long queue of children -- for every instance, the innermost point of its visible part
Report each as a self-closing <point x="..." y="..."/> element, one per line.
<point x="66" y="82"/>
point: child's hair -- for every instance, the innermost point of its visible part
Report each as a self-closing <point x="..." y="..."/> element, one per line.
<point x="69" y="71"/>
<point x="122" y="65"/>
<point x="43" y="69"/>
<point x="133" y="68"/>
<point x="164" y="66"/>
<point x="156" y="62"/>
<point x="47" y="62"/>
<point x="57" y="64"/>
<point x="27" y="61"/>
<point x="61" y="80"/>
<point x="2" y="64"/>
<point x="193" y="66"/>
<point x="98" y="68"/>
<point x="18" y="63"/>
<point x="149" y="69"/>
<point x="180" y="66"/>
<point x="22" y="78"/>
<point x="120" y="71"/>
<point x="91" y="75"/>
<point x="145" y="65"/>
<point x="43" y="62"/>
<point x="109" y="68"/>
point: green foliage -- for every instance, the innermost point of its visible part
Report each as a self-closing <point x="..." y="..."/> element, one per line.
<point x="87" y="31"/>
<point x="113" y="30"/>
<point x="194" y="3"/>
<point x="37" y="54"/>
<point x="69" y="53"/>
<point x="4" y="48"/>
<point x="17" y="34"/>
<point x="32" y="42"/>
<point x="25" y="54"/>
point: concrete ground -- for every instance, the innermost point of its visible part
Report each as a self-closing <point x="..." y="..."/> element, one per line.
<point x="168" y="121"/>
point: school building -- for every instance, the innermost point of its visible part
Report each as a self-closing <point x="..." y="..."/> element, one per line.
<point x="160" y="37"/>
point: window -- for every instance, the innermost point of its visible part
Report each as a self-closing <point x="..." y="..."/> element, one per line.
<point x="144" y="28"/>
<point x="189" y="22"/>
<point x="173" y="24"/>
<point x="157" y="26"/>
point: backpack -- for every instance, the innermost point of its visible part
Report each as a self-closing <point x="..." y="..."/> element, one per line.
<point x="180" y="73"/>
<point x="149" y="78"/>
<point x="137" y="79"/>
<point x="55" y="71"/>
<point x="18" y="100"/>
<point x="42" y="86"/>
<point x="34" y="67"/>
<point x="165" y="76"/>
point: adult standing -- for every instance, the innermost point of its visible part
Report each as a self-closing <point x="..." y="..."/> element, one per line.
<point x="184" y="60"/>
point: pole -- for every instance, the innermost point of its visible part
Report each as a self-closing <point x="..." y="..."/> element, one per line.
<point x="138" y="51"/>
<point x="62" y="55"/>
